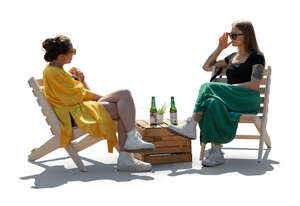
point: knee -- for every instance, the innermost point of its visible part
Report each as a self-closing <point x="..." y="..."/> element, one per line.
<point x="126" y="94"/>
<point x="211" y="103"/>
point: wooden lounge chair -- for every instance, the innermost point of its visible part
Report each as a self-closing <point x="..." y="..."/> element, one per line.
<point x="259" y="120"/>
<point x="54" y="142"/>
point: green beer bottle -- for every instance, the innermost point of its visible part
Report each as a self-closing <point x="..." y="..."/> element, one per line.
<point x="153" y="113"/>
<point x="173" y="112"/>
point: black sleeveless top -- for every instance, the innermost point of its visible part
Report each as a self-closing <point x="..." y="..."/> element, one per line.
<point x="241" y="72"/>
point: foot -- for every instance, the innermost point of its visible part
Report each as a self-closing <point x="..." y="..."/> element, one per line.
<point x="134" y="143"/>
<point x="209" y="151"/>
<point x="215" y="157"/>
<point x="187" y="128"/>
<point x="126" y="162"/>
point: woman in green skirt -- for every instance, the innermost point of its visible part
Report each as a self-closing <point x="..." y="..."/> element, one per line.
<point x="220" y="105"/>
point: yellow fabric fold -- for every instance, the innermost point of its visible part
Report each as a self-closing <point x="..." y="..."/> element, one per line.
<point x="69" y="97"/>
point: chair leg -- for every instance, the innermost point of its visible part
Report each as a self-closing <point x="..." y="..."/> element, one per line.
<point x="267" y="140"/>
<point x="261" y="146"/>
<point x="51" y="145"/>
<point x="203" y="145"/>
<point x="75" y="157"/>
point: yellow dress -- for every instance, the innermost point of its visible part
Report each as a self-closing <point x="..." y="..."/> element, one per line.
<point x="69" y="97"/>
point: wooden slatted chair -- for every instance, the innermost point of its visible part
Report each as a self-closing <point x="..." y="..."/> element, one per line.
<point x="54" y="142"/>
<point x="259" y="120"/>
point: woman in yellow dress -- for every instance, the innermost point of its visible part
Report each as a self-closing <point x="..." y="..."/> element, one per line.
<point x="93" y="113"/>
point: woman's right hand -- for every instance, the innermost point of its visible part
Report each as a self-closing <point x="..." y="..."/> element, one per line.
<point x="223" y="41"/>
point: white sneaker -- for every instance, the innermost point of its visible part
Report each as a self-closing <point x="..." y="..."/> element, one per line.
<point x="126" y="162"/>
<point x="187" y="128"/>
<point x="134" y="143"/>
<point x="215" y="157"/>
<point x="209" y="151"/>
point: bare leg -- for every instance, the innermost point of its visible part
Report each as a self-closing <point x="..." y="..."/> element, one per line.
<point x="112" y="109"/>
<point x="122" y="135"/>
<point x="125" y="107"/>
<point x="197" y="116"/>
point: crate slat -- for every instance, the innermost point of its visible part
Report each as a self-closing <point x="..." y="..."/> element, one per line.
<point x="157" y="132"/>
<point x="159" y="159"/>
<point x="166" y="138"/>
<point x="169" y="146"/>
<point x="171" y="149"/>
<point x="171" y="143"/>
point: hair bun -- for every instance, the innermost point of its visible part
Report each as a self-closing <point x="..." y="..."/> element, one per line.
<point x="49" y="44"/>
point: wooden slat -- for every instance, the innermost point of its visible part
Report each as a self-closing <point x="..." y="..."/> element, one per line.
<point x="247" y="137"/>
<point x="262" y="90"/>
<point x="51" y="145"/>
<point x="247" y="119"/>
<point x="166" y="138"/>
<point x="265" y="71"/>
<point x="46" y="108"/>
<point x="157" y="132"/>
<point x="75" y="157"/>
<point x="171" y="143"/>
<point x="261" y="109"/>
<point x="159" y="159"/>
<point x="263" y="81"/>
<point x="169" y="150"/>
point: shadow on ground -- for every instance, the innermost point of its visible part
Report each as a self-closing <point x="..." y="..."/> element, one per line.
<point x="55" y="176"/>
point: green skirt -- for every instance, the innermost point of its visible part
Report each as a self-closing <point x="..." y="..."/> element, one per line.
<point x="222" y="105"/>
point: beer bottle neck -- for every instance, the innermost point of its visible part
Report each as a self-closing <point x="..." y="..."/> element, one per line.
<point x="153" y="103"/>
<point x="172" y="103"/>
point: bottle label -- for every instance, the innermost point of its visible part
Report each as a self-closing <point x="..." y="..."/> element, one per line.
<point x="153" y="118"/>
<point x="173" y="117"/>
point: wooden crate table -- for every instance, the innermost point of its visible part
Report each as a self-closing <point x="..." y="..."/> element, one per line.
<point x="170" y="147"/>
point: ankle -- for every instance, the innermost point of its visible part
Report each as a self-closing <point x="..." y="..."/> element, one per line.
<point x="131" y="132"/>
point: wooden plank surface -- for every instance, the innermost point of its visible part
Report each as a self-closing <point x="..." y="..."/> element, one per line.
<point x="171" y="143"/>
<point x="159" y="159"/>
<point x="171" y="149"/>
<point x="166" y="138"/>
<point x="157" y="132"/>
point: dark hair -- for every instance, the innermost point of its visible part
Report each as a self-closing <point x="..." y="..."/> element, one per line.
<point x="250" y="40"/>
<point x="56" y="46"/>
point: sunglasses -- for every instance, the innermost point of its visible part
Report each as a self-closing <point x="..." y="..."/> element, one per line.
<point x="72" y="51"/>
<point x="233" y="36"/>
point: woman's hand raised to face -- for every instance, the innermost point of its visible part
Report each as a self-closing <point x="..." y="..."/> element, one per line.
<point x="77" y="70"/>
<point x="223" y="41"/>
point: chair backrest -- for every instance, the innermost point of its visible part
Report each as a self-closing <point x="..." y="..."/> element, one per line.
<point x="47" y="110"/>
<point x="264" y="88"/>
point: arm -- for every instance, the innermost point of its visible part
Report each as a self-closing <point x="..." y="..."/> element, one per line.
<point x="80" y="75"/>
<point x="212" y="59"/>
<point x="256" y="77"/>
<point x="97" y="97"/>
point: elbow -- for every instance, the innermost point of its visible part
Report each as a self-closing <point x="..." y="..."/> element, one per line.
<point x="254" y="85"/>
<point x="206" y="68"/>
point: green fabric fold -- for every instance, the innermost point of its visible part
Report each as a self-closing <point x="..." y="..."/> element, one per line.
<point x="222" y="105"/>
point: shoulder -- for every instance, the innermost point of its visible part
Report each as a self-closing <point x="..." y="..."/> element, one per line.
<point x="258" y="58"/>
<point x="52" y="71"/>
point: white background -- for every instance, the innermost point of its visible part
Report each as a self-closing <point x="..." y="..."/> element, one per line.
<point x="152" y="48"/>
